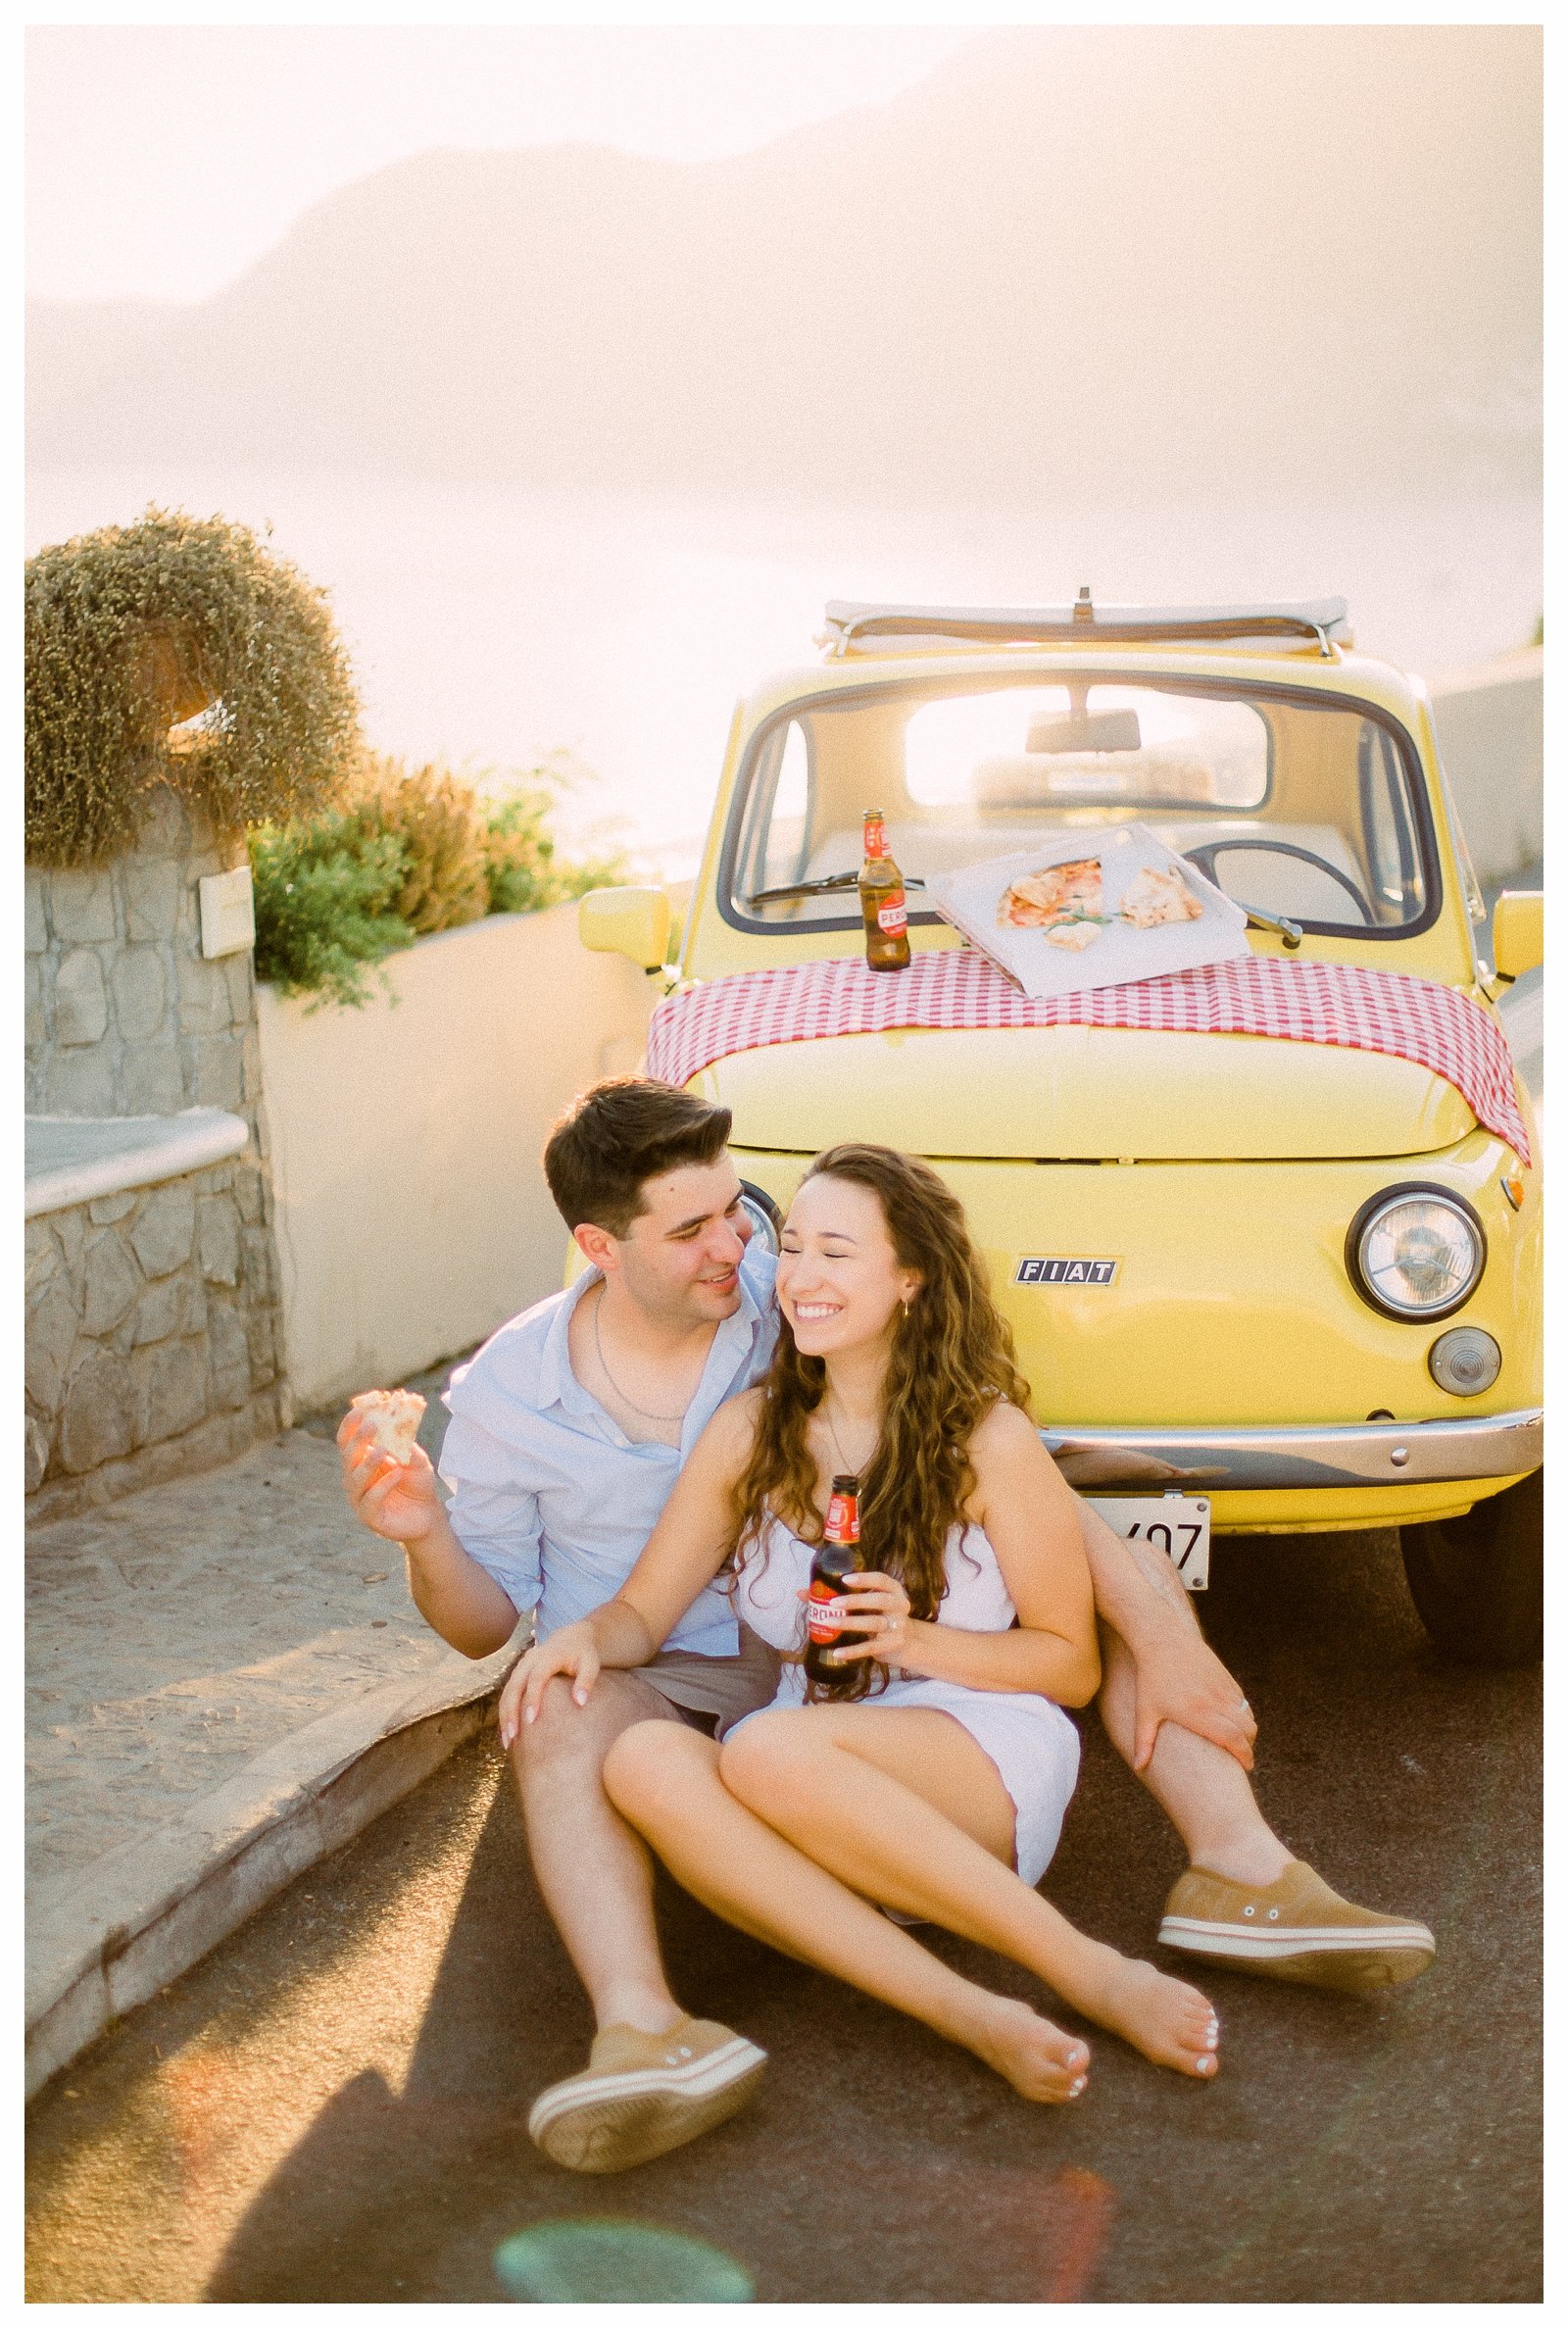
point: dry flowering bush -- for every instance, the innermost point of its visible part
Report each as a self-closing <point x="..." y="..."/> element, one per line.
<point x="441" y="824"/>
<point x="176" y="650"/>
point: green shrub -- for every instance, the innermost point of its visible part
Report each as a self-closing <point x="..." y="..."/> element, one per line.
<point x="324" y="912"/>
<point x="519" y="855"/>
<point x="176" y="650"/>
<point x="524" y="870"/>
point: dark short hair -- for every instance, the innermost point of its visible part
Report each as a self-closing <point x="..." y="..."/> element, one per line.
<point x="620" y="1134"/>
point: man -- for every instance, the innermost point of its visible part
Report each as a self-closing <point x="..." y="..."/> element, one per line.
<point x="568" y="1431"/>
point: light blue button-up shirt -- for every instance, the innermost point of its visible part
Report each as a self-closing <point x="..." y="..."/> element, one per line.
<point x="550" y="1496"/>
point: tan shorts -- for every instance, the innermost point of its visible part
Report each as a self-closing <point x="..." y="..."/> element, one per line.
<point x="716" y="1693"/>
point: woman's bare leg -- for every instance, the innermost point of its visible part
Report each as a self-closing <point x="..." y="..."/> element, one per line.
<point x="903" y="1804"/>
<point x="664" y="1780"/>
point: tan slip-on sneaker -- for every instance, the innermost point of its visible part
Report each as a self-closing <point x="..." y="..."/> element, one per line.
<point x="1293" y="1929"/>
<point x="641" y="2095"/>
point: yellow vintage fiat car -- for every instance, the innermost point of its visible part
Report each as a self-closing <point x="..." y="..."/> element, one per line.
<point x="1257" y="1284"/>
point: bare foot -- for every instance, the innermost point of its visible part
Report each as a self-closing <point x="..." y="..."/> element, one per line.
<point x="1171" y="2022"/>
<point x="1042" y="2061"/>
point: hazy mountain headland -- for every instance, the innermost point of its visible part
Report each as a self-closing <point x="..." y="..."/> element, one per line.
<point x="1132" y="259"/>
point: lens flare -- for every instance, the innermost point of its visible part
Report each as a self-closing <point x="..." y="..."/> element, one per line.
<point x="608" y="2261"/>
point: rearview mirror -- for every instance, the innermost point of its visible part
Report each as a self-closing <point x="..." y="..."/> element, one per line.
<point x="630" y="921"/>
<point x="1085" y="732"/>
<point x="1518" y="933"/>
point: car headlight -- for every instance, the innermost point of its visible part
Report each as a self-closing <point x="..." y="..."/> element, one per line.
<point x="764" y="1213"/>
<point x="1415" y="1252"/>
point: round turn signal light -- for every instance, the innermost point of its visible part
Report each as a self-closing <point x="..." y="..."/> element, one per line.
<point x="1466" y="1361"/>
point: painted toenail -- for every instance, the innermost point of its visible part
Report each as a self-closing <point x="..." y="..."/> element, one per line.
<point x="1204" y="2063"/>
<point x="1078" y="2085"/>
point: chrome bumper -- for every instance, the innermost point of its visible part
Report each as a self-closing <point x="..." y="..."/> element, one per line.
<point x="1329" y="1455"/>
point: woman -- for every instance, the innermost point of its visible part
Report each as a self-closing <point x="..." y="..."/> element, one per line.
<point x="934" y="1783"/>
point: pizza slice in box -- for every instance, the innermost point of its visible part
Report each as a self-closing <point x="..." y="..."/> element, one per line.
<point x="1103" y="905"/>
<point x="1153" y="898"/>
<point x="1056" y="893"/>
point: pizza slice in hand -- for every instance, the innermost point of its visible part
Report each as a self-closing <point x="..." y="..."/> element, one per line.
<point x="394" y="1420"/>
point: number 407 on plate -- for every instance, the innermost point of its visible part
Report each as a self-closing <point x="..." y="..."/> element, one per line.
<point x="1176" y="1526"/>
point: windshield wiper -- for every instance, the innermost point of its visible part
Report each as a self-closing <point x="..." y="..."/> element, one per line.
<point x="820" y="887"/>
<point x="1281" y="927"/>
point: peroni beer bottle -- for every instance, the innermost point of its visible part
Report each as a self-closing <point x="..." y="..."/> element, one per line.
<point x="883" y="907"/>
<point x="836" y="1557"/>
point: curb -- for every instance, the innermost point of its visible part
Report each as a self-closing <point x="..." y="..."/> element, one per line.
<point x="106" y="1937"/>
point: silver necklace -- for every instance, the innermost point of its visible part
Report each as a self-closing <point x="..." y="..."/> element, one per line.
<point x="838" y="1442"/>
<point x="599" y="1352"/>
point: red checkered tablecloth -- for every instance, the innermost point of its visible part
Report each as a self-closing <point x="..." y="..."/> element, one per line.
<point x="1302" y="1002"/>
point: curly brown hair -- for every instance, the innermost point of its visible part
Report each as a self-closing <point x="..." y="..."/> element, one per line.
<point x="952" y="1359"/>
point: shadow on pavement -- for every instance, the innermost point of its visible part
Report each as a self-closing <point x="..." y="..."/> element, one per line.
<point x="396" y="2197"/>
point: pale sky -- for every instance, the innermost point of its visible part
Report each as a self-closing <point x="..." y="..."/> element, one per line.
<point x="162" y="160"/>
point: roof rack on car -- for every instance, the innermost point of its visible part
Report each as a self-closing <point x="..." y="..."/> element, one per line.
<point x="864" y="629"/>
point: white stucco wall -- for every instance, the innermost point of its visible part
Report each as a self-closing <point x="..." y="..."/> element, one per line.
<point x="404" y="1140"/>
<point x="1489" y="724"/>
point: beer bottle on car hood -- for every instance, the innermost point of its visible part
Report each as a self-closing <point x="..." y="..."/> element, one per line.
<point x="883" y="907"/>
<point x="836" y="1557"/>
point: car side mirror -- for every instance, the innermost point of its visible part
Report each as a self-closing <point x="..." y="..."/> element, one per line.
<point x="1518" y="938"/>
<point x="630" y="921"/>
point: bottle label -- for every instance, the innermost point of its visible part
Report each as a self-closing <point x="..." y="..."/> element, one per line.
<point x="842" y="1522"/>
<point x="825" y="1611"/>
<point x="876" y="837"/>
<point x="893" y="918"/>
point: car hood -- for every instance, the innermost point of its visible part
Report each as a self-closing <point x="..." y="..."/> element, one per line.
<point x="1086" y="1092"/>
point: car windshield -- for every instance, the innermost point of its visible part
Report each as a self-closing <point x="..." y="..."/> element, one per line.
<point x="1296" y="805"/>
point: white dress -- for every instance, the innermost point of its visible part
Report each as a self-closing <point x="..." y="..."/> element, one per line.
<point x="1029" y="1739"/>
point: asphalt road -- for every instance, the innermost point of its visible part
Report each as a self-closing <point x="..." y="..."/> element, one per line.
<point x="331" y="2109"/>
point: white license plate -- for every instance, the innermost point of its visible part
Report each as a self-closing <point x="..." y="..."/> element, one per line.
<point x="1176" y="1526"/>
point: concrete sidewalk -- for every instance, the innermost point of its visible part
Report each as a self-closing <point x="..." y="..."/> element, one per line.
<point x="225" y="1677"/>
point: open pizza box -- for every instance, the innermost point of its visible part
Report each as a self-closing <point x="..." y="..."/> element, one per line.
<point x="1087" y="909"/>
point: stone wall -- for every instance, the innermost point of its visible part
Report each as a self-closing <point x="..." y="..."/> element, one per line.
<point x="152" y="1337"/>
<point x="125" y="1016"/>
